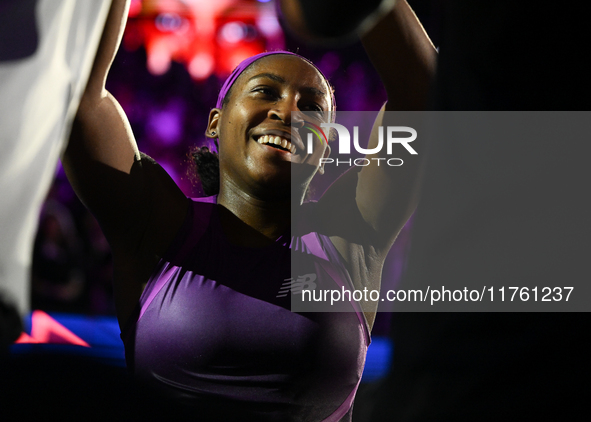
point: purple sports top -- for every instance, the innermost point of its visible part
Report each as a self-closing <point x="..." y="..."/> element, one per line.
<point x="212" y="331"/>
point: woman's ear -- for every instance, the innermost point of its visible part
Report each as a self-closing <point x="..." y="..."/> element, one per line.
<point x="212" y="124"/>
<point x="325" y="155"/>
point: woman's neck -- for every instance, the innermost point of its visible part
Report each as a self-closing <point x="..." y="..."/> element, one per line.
<point x="251" y="221"/>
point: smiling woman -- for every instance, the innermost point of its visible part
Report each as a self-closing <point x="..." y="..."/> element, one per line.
<point x="200" y="284"/>
<point x="264" y="79"/>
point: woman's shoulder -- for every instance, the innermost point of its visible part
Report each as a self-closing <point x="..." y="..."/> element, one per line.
<point x="305" y="217"/>
<point x="194" y="226"/>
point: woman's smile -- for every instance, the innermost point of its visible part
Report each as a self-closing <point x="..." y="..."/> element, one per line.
<point x="278" y="143"/>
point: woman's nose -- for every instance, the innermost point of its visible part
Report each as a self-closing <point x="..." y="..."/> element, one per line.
<point x="283" y="110"/>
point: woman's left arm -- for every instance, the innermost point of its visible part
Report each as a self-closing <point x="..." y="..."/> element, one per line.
<point x="386" y="196"/>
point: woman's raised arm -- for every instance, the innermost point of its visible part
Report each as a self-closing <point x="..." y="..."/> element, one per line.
<point x="136" y="203"/>
<point x="386" y="196"/>
<point x="404" y="57"/>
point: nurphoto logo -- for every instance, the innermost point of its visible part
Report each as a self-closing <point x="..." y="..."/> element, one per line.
<point x="388" y="136"/>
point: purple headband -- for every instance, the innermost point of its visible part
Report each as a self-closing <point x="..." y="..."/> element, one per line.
<point x="247" y="62"/>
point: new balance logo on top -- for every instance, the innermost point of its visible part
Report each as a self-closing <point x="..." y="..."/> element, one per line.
<point x="303" y="282"/>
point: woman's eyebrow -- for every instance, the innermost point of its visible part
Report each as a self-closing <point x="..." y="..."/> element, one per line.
<point x="309" y="89"/>
<point x="315" y="91"/>
<point x="272" y="76"/>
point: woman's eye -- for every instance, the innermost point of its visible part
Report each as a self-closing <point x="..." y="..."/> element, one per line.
<point x="315" y="108"/>
<point x="269" y="92"/>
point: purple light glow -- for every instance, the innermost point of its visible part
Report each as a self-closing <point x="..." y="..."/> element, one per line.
<point x="166" y="124"/>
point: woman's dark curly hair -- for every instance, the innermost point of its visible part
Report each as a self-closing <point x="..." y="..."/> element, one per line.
<point x="207" y="164"/>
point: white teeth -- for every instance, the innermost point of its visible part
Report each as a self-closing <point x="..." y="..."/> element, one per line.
<point x="284" y="143"/>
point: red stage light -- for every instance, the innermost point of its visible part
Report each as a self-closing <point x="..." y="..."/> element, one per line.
<point x="45" y="329"/>
<point x="207" y="37"/>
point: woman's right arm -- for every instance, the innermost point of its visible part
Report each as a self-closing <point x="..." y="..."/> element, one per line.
<point x="137" y="204"/>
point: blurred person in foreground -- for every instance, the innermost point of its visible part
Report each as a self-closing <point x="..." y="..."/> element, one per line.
<point x="46" y="52"/>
